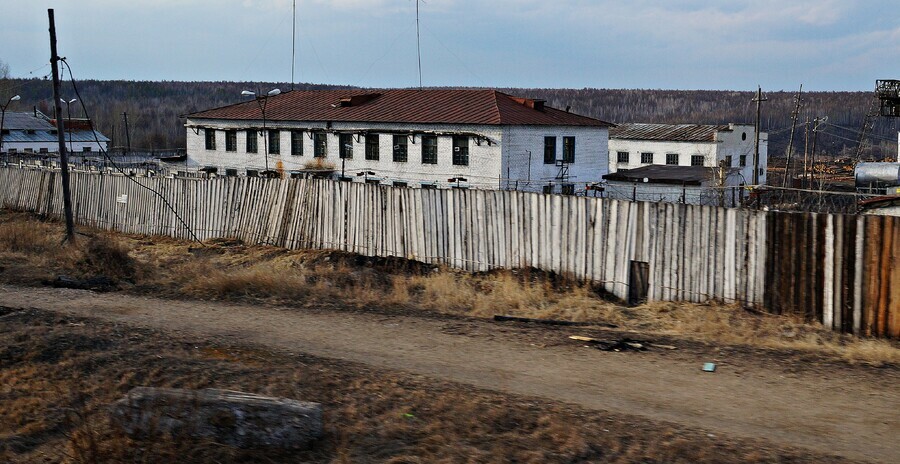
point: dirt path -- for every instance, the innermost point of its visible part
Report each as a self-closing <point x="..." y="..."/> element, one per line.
<point x="836" y="414"/>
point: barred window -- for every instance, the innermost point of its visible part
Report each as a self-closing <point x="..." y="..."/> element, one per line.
<point x="372" y="147"/>
<point x="231" y="140"/>
<point x="672" y="158"/>
<point x="647" y="158"/>
<point x="697" y="160"/>
<point x="251" y="140"/>
<point x="549" y="150"/>
<point x="429" y="149"/>
<point x="210" y="139"/>
<point x="274" y="142"/>
<point x="400" y="148"/>
<point x="622" y="157"/>
<point x="460" y="150"/>
<point x="297" y="143"/>
<point x="346" y="145"/>
<point x="569" y="149"/>
<point x="320" y="144"/>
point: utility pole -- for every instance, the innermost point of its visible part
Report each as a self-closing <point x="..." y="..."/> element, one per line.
<point x="759" y="99"/>
<point x="815" y="130"/>
<point x="796" y="112"/>
<point x="127" y="136"/>
<point x="60" y="131"/>
<point x="418" y="45"/>
<point x="806" y="150"/>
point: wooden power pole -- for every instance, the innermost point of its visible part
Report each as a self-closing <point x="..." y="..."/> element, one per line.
<point x="790" y="152"/>
<point x="60" y="130"/>
<point x="759" y="99"/>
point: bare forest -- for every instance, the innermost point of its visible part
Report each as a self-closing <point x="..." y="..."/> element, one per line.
<point x="155" y="110"/>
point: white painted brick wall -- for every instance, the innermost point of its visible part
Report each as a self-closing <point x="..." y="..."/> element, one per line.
<point x="487" y="163"/>
<point x="738" y="142"/>
<point x="591" y="156"/>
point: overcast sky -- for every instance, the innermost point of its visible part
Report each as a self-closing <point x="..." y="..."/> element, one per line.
<point x="675" y="44"/>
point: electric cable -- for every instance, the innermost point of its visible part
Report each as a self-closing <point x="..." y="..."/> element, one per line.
<point x="116" y="166"/>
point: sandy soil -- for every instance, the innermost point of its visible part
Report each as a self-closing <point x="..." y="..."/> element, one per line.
<point x="837" y="409"/>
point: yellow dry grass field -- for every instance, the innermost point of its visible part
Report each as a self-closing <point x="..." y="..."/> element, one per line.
<point x="32" y="252"/>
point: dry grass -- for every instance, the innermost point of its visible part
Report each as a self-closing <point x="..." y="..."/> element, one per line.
<point x="228" y="270"/>
<point x="60" y="373"/>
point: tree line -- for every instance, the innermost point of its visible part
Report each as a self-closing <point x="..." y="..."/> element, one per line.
<point x="155" y="110"/>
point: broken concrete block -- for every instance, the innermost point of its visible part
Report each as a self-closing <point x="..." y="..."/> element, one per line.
<point x="238" y="419"/>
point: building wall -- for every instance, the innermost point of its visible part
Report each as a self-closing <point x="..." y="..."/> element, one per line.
<point x="523" y="157"/>
<point x="657" y="192"/>
<point x="738" y="142"/>
<point x="50" y="147"/>
<point x="490" y="154"/>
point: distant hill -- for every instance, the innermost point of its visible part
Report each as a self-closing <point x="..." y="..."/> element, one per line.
<point x="154" y="108"/>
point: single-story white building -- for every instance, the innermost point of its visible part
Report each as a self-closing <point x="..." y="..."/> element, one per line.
<point x="28" y="133"/>
<point x="731" y="146"/>
<point x="693" y="185"/>
<point x="412" y="138"/>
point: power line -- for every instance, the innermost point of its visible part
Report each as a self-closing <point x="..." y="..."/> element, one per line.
<point x="113" y="163"/>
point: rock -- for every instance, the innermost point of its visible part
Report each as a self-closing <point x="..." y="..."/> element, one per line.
<point x="238" y="419"/>
<point x="97" y="283"/>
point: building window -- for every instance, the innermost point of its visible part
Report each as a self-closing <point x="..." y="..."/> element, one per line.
<point x="373" y="181"/>
<point x="296" y="143"/>
<point x="568" y="189"/>
<point x="728" y="161"/>
<point x="400" y="184"/>
<point x="43" y="150"/>
<point x="274" y="142"/>
<point x="346" y="145"/>
<point x="320" y="144"/>
<point x="743" y="160"/>
<point x="12" y="151"/>
<point x="230" y="140"/>
<point x="429" y="186"/>
<point x="569" y="149"/>
<point x="460" y="150"/>
<point x="622" y="157"/>
<point x="547" y="189"/>
<point x="429" y="149"/>
<point x="210" y="139"/>
<point x="252" y="173"/>
<point x="345" y="178"/>
<point x="400" y="150"/>
<point x="231" y="172"/>
<point x="549" y="150"/>
<point x="251" y="140"/>
<point x="86" y="149"/>
<point x="29" y="150"/>
<point x="697" y="160"/>
<point x="672" y="159"/>
<point x="372" y="144"/>
<point x="647" y="158"/>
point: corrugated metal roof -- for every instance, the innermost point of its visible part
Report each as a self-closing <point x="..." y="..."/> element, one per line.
<point x="673" y="132"/>
<point x="439" y="106"/>
<point x="664" y="174"/>
<point x="25" y="121"/>
<point x="44" y="136"/>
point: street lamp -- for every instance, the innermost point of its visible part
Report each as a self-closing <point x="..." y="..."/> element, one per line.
<point x="262" y="101"/>
<point x="367" y="174"/>
<point x="457" y="180"/>
<point x="69" y="119"/>
<point x="3" y="116"/>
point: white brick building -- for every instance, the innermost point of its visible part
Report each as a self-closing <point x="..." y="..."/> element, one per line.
<point x="635" y="145"/>
<point x="34" y="133"/>
<point x="414" y="138"/>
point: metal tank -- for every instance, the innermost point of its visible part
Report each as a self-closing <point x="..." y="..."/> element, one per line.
<point x="877" y="175"/>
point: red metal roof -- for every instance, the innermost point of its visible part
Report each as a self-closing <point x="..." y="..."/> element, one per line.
<point x="671" y="132"/>
<point x="431" y="106"/>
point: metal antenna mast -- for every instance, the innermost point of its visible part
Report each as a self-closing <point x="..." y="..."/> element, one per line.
<point x="293" y="42"/>
<point x="418" y="45"/>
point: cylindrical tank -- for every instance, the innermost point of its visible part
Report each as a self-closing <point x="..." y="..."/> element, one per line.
<point x="877" y="175"/>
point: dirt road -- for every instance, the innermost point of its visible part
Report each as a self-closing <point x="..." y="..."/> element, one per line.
<point x="841" y="414"/>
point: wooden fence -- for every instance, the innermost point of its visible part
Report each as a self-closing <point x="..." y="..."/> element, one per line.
<point x="839" y="270"/>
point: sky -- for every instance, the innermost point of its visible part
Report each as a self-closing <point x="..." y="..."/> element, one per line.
<point x="661" y="44"/>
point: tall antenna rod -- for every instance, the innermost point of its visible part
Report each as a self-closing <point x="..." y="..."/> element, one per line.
<point x="293" y="42"/>
<point x="418" y="45"/>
